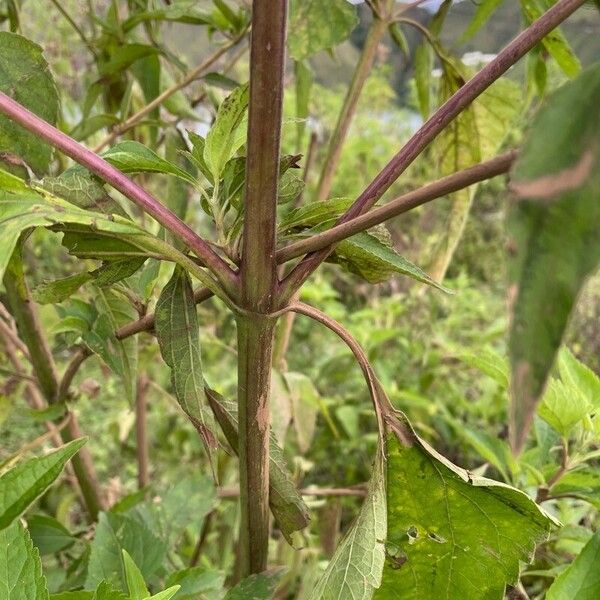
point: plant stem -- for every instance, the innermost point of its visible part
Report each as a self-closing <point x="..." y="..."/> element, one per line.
<point x="123" y="184"/>
<point x="452" y="183"/>
<point x="258" y="274"/>
<point x="141" y="431"/>
<point x="74" y="25"/>
<point x="44" y="368"/>
<point x="435" y="124"/>
<point x="134" y="119"/>
<point x="361" y="73"/>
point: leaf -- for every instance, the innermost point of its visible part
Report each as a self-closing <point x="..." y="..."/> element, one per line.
<point x="261" y="586"/>
<point x="23" y="207"/>
<point x="25" y="77"/>
<point x="577" y="375"/>
<point x="106" y="591"/>
<point x="90" y="125"/>
<point x="194" y="582"/>
<point x="316" y="25"/>
<point x="563" y="406"/>
<point x="115" y="533"/>
<point x="356" y="567"/>
<point x="228" y="133"/>
<point x="136" y="586"/>
<point x="54" y="292"/>
<point x="133" y="157"/>
<point x="451" y="534"/>
<point x="367" y="256"/>
<point x="177" y="331"/>
<point x="581" y="581"/>
<point x="83" y="189"/>
<point x="21" y="575"/>
<point x="485" y="10"/>
<point x="48" y="534"/>
<point x="553" y="225"/>
<point x="165" y="594"/>
<point x="314" y="214"/>
<point x="555" y="42"/>
<point x="26" y="482"/>
<point x="125" y="56"/>
<point x="581" y="483"/>
<point x="286" y="503"/>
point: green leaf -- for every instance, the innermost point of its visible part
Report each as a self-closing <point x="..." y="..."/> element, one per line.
<point x="177" y="331"/>
<point x="125" y="56"/>
<point x="83" y="189"/>
<point x="287" y="505"/>
<point x="195" y="581"/>
<point x="54" y="292"/>
<point x="553" y="244"/>
<point x="356" y="567"/>
<point x="20" y="566"/>
<point x="375" y="261"/>
<point x="582" y="483"/>
<point x="115" y="533"/>
<point x="165" y="594"/>
<point x="316" y="25"/>
<point x="577" y="375"/>
<point x="79" y="595"/>
<point x="451" y="534"/>
<point x="106" y="591"/>
<point x="485" y="10"/>
<point x="555" y="42"/>
<point x="23" y="207"/>
<point x="563" y="406"/>
<point x="136" y="586"/>
<point x="581" y="581"/>
<point x="261" y="586"/>
<point x="133" y="157"/>
<point x="90" y="125"/>
<point x="25" y="77"/>
<point x="48" y="534"/>
<point x="315" y="214"/>
<point x="26" y="482"/>
<point x="228" y="133"/>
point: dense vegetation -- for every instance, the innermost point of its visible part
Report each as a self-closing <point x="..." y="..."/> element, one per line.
<point x="231" y="271"/>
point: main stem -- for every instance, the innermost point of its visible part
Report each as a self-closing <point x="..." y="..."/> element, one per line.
<point x="258" y="276"/>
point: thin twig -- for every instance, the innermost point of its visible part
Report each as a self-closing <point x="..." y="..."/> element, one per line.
<point x="74" y="25"/>
<point x="80" y="356"/>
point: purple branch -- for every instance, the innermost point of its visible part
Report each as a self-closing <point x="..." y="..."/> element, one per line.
<point x="123" y="184"/>
<point x="436" y="123"/>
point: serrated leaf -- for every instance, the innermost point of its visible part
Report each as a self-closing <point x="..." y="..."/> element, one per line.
<point x="367" y="256"/>
<point x="23" y="484"/>
<point x="574" y="373"/>
<point x="451" y="534"/>
<point x="25" y="77"/>
<point x="356" y="567"/>
<point x="21" y="575"/>
<point x="48" y="534"/>
<point x="177" y="331"/>
<point x="287" y="505"/>
<point x="563" y="407"/>
<point x="581" y="581"/>
<point x="228" y="133"/>
<point x="133" y="157"/>
<point x="316" y="25"/>
<point x="196" y="581"/>
<point x="553" y="225"/>
<point x="261" y="586"/>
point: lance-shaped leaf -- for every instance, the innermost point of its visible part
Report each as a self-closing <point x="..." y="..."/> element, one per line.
<point x="23" y="484"/>
<point x="25" y="77"/>
<point x="356" y="567"/>
<point x="228" y="133"/>
<point x="316" y="25"/>
<point x="177" y="331"/>
<point x="451" y="534"/>
<point x="261" y="586"/>
<point x="553" y="224"/>
<point x="21" y="575"/>
<point x="287" y="505"/>
<point x="581" y="581"/>
<point x="133" y="157"/>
